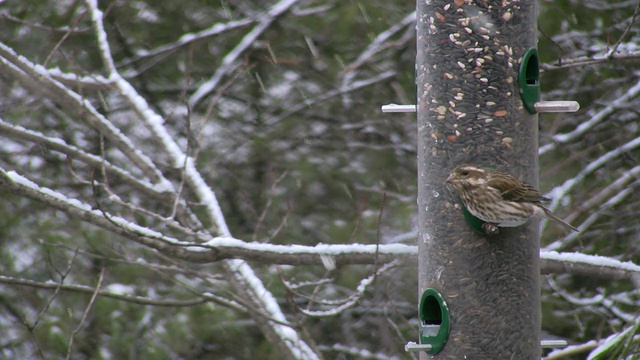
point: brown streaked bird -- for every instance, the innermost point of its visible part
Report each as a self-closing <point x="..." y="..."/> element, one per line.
<point x="499" y="199"/>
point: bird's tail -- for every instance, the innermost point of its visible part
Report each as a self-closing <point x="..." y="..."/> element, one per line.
<point x="553" y="217"/>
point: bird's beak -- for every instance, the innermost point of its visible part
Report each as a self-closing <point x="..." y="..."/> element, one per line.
<point x="450" y="179"/>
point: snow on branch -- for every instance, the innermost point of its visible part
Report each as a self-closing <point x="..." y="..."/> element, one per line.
<point x="220" y="248"/>
<point x="18" y="132"/>
<point x="628" y="178"/>
<point x="595" y="119"/>
<point x="330" y="94"/>
<point x="229" y="62"/>
<point x="379" y="43"/>
<point x="38" y="79"/>
<point x="582" y="61"/>
<point x="590" y="265"/>
<point x="611" y="203"/>
<point x="561" y="191"/>
<point x="349" y="302"/>
<point x="22" y="186"/>
<point x="87" y="82"/>
<point x="186" y="39"/>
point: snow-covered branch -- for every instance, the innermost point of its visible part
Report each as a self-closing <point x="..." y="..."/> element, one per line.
<point x="56" y="144"/>
<point x="379" y="42"/>
<point x="220" y="248"/>
<point x="230" y="61"/>
<point x="353" y="298"/>
<point x="38" y="79"/>
<point x="588" y="60"/>
<point x="589" y="265"/>
<point x="330" y="94"/>
<point x="559" y="192"/>
<point x="188" y="38"/>
<point x="626" y="180"/>
<point x="595" y="119"/>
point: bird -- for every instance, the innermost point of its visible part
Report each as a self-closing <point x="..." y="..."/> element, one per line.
<point x="499" y="199"/>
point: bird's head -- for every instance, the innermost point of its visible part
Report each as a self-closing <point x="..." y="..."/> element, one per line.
<point x="467" y="177"/>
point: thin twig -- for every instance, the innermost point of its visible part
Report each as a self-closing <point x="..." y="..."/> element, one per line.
<point x="267" y="206"/>
<point x="626" y="31"/>
<point x="63" y="276"/>
<point x="64" y="37"/>
<point x="86" y="312"/>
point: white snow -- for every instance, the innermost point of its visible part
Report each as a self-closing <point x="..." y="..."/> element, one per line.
<point x="596" y="260"/>
<point x="120" y="289"/>
<point x="319" y="249"/>
<point x="140" y="230"/>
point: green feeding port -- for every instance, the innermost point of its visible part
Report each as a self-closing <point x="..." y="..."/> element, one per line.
<point x="529" y="79"/>
<point x="476" y="224"/>
<point x="434" y="320"/>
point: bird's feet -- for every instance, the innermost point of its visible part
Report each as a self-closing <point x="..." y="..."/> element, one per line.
<point x="491" y="229"/>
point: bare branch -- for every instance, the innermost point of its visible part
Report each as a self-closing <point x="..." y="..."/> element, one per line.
<point x="86" y="313"/>
<point x="614" y="48"/>
<point x="139" y="300"/>
<point x="229" y="62"/>
<point x="587" y="60"/>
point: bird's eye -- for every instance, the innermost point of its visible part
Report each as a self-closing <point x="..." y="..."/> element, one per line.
<point x="464" y="172"/>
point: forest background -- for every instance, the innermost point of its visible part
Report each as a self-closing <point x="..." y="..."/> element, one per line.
<point x="187" y="180"/>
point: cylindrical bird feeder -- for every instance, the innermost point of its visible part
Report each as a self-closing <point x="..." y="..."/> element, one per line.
<point x="475" y="105"/>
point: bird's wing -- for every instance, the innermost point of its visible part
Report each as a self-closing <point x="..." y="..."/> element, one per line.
<point x="513" y="189"/>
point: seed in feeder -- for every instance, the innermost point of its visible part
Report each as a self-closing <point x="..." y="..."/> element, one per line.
<point x="508" y="49"/>
<point x="500" y="113"/>
<point x="490" y="103"/>
<point x="461" y="65"/>
<point x="446" y="7"/>
<point x="468" y="30"/>
<point x="507" y="16"/>
<point x="500" y="52"/>
<point x="488" y="120"/>
<point x="507" y="140"/>
<point x="441" y="110"/>
<point x="448" y="76"/>
<point x="452" y="104"/>
<point x="484" y="80"/>
<point x="440" y="17"/>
